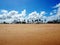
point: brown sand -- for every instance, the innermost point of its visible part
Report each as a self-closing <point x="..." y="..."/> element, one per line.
<point x="29" y="34"/>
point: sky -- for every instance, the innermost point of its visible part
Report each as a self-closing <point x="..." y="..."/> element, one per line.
<point x="20" y="10"/>
<point x="29" y="5"/>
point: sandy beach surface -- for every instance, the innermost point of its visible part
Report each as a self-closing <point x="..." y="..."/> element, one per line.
<point x="29" y="34"/>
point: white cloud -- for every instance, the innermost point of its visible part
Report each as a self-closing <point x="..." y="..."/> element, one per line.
<point x="14" y="16"/>
<point x="23" y="13"/>
<point x="42" y="13"/>
<point x="53" y="12"/>
<point x="33" y="15"/>
<point x="58" y="8"/>
<point x="13" y="12"/>
<point x="51" y="18"/>
<point x="9" y="20"/>
<point x="4" y="11"/>
<point x="58" y="5"/>
<point x="58" y="11"/>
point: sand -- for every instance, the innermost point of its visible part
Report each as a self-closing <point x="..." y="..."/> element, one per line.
<point x="29" y="34"/>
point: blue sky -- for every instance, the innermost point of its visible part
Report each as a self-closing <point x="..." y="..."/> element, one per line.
<point x="21" y="10"/>
<point x="29" y="5"/>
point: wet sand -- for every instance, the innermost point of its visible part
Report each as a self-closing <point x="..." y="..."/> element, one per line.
<point x="29" y="34"/>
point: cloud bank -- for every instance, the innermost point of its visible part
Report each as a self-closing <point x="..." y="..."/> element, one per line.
<point x="33" y="17"/>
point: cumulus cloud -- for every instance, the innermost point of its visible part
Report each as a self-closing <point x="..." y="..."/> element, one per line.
<point x="11" y="16"/>
<point x="53" y="12"/>
<point x="58" y="5"/>
<point x="33" y="15"/>
<point x="58" y="10"/>
<point x="42" y="13"/>
<point x="14" y="16"/>
<point x="4" y="11"/>
<point x="13" y="12"/>
<point x="23" y="13"/>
